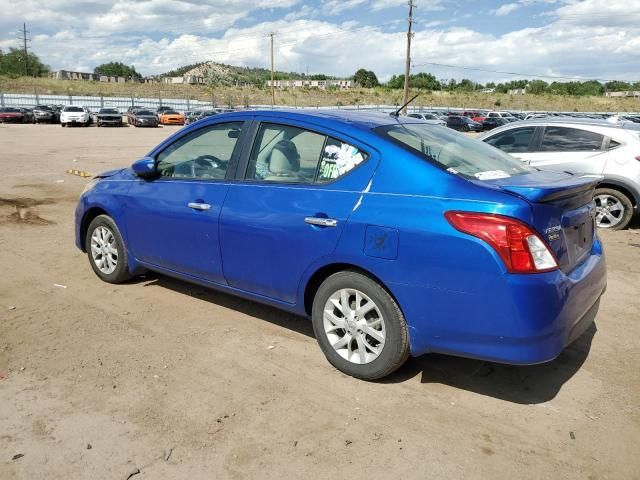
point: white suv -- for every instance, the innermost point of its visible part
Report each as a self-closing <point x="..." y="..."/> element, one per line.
<point x="582" y="146"/>
<point x="74" y="115"/>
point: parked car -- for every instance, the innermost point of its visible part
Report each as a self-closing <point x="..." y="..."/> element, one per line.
<point x="463" y="124"/>
<point x="44" y="113"/>
<point x="27" y="115"/>
<point x="144" y="118"/>
<point x="494" y="122"/>
<point x="475" y="115"/>
<point x="428" y="118"/>
<point x="585" y="146"/>
<point x="131" y="111"/>
<point x="12" y="115"/>
<point x="395" y="237"/>
<point x="108" y="116"/>
<point x="171" y="117"/>
<point x="497" y="114"/>
<point x="74" y="115"/>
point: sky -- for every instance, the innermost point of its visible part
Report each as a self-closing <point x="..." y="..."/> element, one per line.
<point x="480" y="40"/>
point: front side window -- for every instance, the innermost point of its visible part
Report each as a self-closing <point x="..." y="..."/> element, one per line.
<point x="563" y="139"/>
<point x="453" y="151"/>
<point x="287" y="154"/>
<point x="205" y="153"/>
<point x="513" y="141"/>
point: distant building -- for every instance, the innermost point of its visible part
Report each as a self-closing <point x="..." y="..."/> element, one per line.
<point x="87" y="77"/>
<point x="488" y="90"/>
<point x="629" y="93"/>
<point x="342" y="84"/>
<point x="185" y="79"/>
<point x="517" y="91"/>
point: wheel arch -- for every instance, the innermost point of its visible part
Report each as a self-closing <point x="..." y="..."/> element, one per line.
<point x="88" y="217"/>
<point x="622" y="188"/>
<point x="324" y="272"/>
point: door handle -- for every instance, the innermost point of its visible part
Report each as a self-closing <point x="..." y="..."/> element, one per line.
<point x="199" y="206"/>
<point x="321" y="222"/>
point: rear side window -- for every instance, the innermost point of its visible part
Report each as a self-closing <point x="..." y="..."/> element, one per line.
<point x="563" y="139"/>
<point x="287" y="154"/>
<point x="613" y="144"/>
<point x="512" y="141"/>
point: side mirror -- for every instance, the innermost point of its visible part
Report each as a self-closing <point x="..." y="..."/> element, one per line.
<point x="144" y="168"/>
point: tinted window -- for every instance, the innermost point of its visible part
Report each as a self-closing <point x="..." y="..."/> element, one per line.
<point x="453" y="151"/>
<point x="73" y="109"/>
<point x="283" y="153"/>
<point x="205" y="153"/>
<point x="515" y="140"/>
<point x="562" y="139"/>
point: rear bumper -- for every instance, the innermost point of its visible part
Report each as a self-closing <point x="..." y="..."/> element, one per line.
<point x="518" y="319"/>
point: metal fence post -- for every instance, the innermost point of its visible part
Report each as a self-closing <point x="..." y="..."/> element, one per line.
<point x="101" y="101"/>
<point x="1" y="99"/>
<point x="70" y="99"/>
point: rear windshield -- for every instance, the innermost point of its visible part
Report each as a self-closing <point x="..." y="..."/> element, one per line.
<point x="73" y="109"/>
<point x="453" y="151"/>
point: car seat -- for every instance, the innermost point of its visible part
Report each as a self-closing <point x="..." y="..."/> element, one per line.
<point x="283" y="161"/>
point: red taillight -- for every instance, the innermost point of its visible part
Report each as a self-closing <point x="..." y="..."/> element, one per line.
<point x="519" y="246"/>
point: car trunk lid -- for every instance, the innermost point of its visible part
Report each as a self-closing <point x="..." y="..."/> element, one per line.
<point x="562" y="210"/>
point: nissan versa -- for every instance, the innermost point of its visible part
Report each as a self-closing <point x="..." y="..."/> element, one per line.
<point x="395" y="236"/>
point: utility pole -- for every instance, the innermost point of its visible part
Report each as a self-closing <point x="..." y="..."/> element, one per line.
<point x="25" y="52"/>
<point x="273" y="87"/>
<point x="407" y="69"/>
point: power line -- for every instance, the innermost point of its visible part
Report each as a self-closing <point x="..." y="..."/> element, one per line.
<point x="559" y="77"/>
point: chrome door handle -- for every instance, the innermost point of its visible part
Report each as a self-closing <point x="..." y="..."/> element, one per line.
<point x="199" y="206"/>
<point x="321" y="222"/>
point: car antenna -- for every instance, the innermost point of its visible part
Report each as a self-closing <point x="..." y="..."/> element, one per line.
<point x="397" y="112"/>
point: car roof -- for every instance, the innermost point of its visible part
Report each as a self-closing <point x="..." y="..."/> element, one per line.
<point x="329" y="118"/>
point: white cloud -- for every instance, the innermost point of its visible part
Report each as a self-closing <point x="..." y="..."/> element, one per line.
<point x="506" y="9"/>
<point x="423" y="5"/>
<point x="590" y="38"/>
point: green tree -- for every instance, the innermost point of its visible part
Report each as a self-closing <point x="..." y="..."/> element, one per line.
<point x="116" y="69"/>
<point x="537" y="87"/>
<point x="12" y="64"/>
<point x="617" y="86"/>
<point x="216" y="79"/>
<point x="466" y="85"/>
<point x="366" y="78"/>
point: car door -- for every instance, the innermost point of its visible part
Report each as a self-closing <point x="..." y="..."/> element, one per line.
<point x="516" y="142"/>
<point x="172" y="220"/>
<point x="289" y="205"/>
<point x="572" y="149"/>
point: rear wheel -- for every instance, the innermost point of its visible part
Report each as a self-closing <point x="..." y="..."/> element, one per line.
<point x="613" y="209"/>
<point x="359" y="326"/>
<point x="106" y="251"/>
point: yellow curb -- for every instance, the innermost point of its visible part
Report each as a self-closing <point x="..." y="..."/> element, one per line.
<point x="79" y="173"/>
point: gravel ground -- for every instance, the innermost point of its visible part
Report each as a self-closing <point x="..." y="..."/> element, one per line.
<point x="166" y="378"/>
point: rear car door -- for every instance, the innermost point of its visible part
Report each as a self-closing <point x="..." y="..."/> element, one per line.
<point x="172" y="221"/>
<point x="515" y="141"/>
<point x="570" y="149"/>
<point x="289" y="205"/>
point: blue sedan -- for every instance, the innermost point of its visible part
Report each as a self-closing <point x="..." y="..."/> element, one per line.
<point x="394" y="236"/>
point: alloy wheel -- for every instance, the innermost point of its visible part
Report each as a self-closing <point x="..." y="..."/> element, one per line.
<point x="104" y="251"/>
<point x="609" y="211"/>
<point x="354" y="326"/>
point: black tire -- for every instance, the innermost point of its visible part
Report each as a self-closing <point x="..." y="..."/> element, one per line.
<point x="121" y="272"/>
<point x="62" y="125"/>
<point x="396" y="344"/>
<point x="627" y="206"/>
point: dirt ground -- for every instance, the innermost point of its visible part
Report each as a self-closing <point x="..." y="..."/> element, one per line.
<point x="99" y="381"/>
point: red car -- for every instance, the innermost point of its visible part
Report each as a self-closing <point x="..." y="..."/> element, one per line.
<point x="12" y="115"/>
<point x="475" y="115"/>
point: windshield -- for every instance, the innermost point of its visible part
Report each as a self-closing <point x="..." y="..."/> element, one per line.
<point x="9" y="110"/>
<point x="453" y="151"/>
<point x="108" y="110"/>
<point x="171" y="112"/>
<point x="145" y="112"/>
<point x="73" y="109"/>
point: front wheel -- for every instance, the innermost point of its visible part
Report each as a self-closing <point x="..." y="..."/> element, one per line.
<point x="359" y="326"/>
<point x="106" y="250"/>
<point x="613" y="209"/>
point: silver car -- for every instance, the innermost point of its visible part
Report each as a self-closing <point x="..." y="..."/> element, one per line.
<point x="428" y="118"/>
<point x="582" y="146"/>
